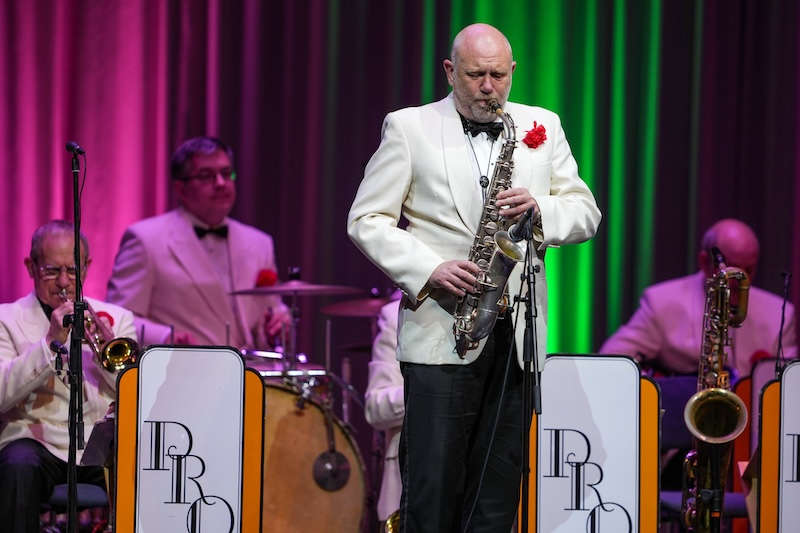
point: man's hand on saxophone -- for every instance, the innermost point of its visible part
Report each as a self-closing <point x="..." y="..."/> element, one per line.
<point x="515" y="201"/>
<point x="455" y="276"/>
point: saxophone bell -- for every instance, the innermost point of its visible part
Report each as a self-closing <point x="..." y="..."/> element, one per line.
<point x="392" y="524"/>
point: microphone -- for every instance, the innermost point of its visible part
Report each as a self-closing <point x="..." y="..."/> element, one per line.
<point x="522" y="229"/>
<point x="74" y="148"/>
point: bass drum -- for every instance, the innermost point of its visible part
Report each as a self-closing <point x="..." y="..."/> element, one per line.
<point x="306" y="488"/>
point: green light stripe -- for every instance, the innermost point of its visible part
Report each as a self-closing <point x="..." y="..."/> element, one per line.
<point x="461" y="14"/>
<point x="429" y="59"/>
<point x="586" y="157"/>
<point x="583" y="278"/>
<point x="545" y="77"/>
<point x="694" y="147"/>
<point x="646" y="196"/>
<point x="538" y="79"/>
<point x="617" y="180"/>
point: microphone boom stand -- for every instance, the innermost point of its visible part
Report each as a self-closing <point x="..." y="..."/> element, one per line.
<point x="531" y="375"/>
<point x="75" y="372"/>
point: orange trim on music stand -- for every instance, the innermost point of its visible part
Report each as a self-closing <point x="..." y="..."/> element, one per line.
<point x="126" y="440"/>
<point x="532" y="488"/>
<point x="649" y="444"/>
<point x="769" y="441"/>
<point x="741" y="446"/>
<point x="253" y="453"/>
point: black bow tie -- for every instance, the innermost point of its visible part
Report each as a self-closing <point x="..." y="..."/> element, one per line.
<point x="492" y="129"/>
<point x="46" y="308"/>
<point x="221" y="231"/>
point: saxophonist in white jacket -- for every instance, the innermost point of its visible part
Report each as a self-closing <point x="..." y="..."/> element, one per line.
<point x="432" y="168"/>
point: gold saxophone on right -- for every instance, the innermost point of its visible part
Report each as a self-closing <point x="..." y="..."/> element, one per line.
<point x="714" y="415"/>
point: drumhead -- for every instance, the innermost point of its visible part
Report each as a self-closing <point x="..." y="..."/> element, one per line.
<point x="294" y="439"/>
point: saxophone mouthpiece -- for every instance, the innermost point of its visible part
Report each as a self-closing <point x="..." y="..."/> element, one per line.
<point x="494" y="107"/>
<point x="63" y="295"/>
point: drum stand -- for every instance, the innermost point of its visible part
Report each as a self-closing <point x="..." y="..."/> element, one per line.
<point x="347" y="390"/>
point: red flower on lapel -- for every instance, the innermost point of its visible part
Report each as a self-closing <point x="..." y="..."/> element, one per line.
<point x="266" y="278"/>
<point x="535" y="136"/>
<point x="107" y="317"/>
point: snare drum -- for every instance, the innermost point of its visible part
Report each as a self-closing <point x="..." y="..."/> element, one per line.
<point x="305" y="487"/>
<point x="302" y="376"/>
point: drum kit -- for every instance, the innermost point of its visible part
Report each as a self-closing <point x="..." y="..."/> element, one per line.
<point x="314" y="475"/>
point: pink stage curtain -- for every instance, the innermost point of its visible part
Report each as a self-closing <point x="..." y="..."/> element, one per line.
<point x="130" y="80"/>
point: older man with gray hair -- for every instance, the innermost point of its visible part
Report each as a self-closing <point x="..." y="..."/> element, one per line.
<point x="34" y="394"/>
<point x="665" y="332"/>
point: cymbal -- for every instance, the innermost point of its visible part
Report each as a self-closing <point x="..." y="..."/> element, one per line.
<point x="364" y="307"/>
<point x="301" y="288"/>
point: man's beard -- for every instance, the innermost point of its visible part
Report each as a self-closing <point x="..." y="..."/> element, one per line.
<point x="482" y="113"/>
<point x="479" y="109"/>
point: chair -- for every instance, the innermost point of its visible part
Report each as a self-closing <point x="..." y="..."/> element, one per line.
<point x="675" y="392"/>
<point x="89" y="497"/>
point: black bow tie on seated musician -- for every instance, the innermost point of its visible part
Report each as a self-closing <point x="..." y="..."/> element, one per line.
<point x="492" y="129"/>
<point x="221" y="231"/>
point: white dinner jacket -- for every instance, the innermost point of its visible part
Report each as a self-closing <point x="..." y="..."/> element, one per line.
<point x="667" y="327"/>
<point x="422" y="170"/>
<point x="384" y="407"/>
<point x="34" y="401"/>
<point x="163" y="274"/>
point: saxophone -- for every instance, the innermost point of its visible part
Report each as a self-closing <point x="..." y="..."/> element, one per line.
<point x="492" y="250"/>
<point x="714" y="415"/>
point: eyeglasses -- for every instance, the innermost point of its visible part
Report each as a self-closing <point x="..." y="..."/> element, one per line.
<point x="209" y="176"/>
<point x="52" y="272"/>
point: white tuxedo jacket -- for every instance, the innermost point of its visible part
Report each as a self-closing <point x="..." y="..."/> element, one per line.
<point x="34" y="401"/>
<point x="163" y="274"/>
<point x="422" y="171"/>
<point x="667" y="328"/>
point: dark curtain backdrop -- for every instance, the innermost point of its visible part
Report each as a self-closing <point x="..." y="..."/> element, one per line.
<point x="679" y="113"/>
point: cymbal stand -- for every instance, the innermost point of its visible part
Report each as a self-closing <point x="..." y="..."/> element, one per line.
<point x="290" y="351"/>
<point x="328" y="344"/>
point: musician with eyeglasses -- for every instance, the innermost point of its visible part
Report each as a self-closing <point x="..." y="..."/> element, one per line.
<point x="34" y="393"/>
<point x="176" y="271"/>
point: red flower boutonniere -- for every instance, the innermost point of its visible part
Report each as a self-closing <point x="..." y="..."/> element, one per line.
<point x="266" y="278"/>
<point x="535" y="136"/>
<point x="105" y="316"/>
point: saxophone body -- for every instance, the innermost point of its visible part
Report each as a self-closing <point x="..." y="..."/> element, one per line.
<point x="492" y="251"/>
<point x="714" y="414"/>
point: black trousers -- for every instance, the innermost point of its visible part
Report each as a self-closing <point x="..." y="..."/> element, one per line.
<point x="28" y="473"/>
<point x="450" y="414"/>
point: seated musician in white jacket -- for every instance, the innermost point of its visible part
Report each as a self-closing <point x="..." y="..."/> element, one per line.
<point x="34" y="396"/>
<point x="384" y="404"/>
